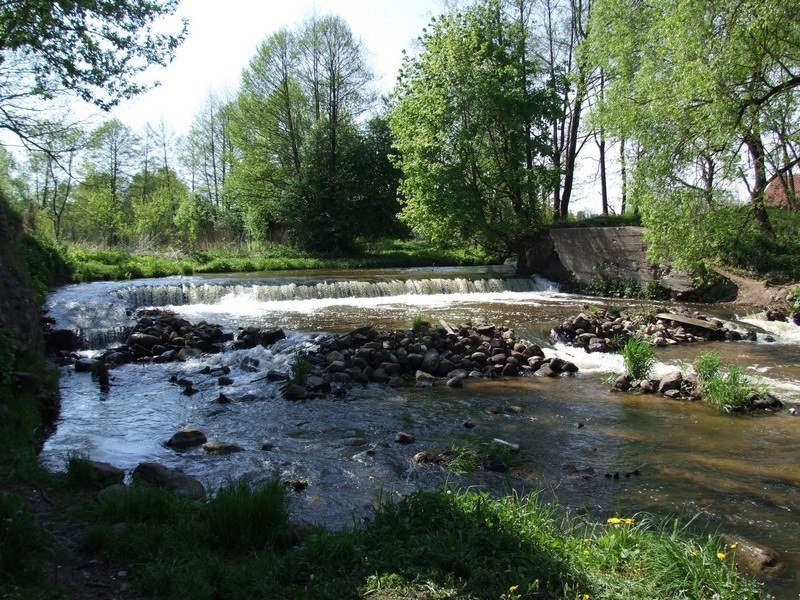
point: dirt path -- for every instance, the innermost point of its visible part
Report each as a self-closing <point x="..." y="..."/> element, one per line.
<point x="752" y="292"/>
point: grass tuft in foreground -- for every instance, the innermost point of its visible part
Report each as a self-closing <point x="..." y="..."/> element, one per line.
<point x="445" y="544"/>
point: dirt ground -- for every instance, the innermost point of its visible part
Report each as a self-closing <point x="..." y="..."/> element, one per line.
<point x="753" y="292"/>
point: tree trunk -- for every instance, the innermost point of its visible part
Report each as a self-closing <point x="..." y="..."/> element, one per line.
<point x="756" y="148"/>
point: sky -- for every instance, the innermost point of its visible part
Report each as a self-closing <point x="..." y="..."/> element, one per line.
<point x="223" y="36"/>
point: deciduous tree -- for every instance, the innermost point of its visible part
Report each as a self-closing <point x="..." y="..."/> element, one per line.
<point x="471" y="125"/>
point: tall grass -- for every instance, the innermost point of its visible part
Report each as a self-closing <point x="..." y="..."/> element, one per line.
<point x="722" y="385"/>
<point x="24" y="543"/>
<point x="445" y="544"/>
<point x="639" y="356"/>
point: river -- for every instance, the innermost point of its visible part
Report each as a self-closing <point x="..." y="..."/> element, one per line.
<point x="739" y="473"/>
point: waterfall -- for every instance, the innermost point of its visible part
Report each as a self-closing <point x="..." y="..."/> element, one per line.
<point x="181" y="294"/>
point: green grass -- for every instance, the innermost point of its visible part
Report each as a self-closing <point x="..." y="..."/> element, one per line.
<point x="94" y="265"/>
<point x="639" y="356"/>
<point x="301" y="367"/>
<point x="240" y="543"/>
<point x="723" y="385"/>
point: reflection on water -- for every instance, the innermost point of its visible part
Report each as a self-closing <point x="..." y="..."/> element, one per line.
<point x="740" y="472"/>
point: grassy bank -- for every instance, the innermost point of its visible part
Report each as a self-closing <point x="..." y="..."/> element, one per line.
<point x="446" y="544"/>
<point x="86" y="265"/>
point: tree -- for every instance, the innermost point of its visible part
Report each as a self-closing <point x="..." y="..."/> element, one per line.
<point x="207" y="151"/>
<point x="53" y="170"/>
<point x="297" y="137"/>
<point x="94" y="49"/>
<point x="471" y="128"/>
<point x="155" y="197"/>
<point x="704" y="95"/>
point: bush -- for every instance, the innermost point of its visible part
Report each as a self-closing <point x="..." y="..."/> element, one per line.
<point x="707" y="365"/>
<point x="243" y="519"/>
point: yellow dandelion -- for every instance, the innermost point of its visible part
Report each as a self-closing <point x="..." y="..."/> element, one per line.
<point x="614" y="520"/>
<point x="733" y="546"/>
<point x="507" y="571"/>
<point x="587" y="597"/>
<point x="513" y="588"/>
<point x="628" y="521"/>
<point x="586" y="552"/>
<point x="721" y="555"/>
<point x="586" y="540"/>
<point x="694" y="552"/>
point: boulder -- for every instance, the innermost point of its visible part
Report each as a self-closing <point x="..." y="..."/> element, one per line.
<point x="177" y="482"/>
<point x="671" y="381"/>
<point x="754" y="560"/>
<point x="106" y="473"/>
<point x="222" y="447"/>
<point x="186" y="439"/>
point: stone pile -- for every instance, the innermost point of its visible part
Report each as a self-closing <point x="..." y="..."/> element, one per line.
<point x="677" y="386"/>
<point x="422" y="355"/>
<point x="162" y="338"/>
<point x="603" y="330"/>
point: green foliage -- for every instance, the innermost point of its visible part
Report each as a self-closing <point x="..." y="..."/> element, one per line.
<point x="707" y="365"/>
<point x="240" y="544"/>
<point x="723" y="385"/>
<point x="626" y="220"/>
<point x="639" y="356"/>
<point x="7" y="357"/>
<point x="80" y="473"/>
<point x="243" y="519"/>
<point x="471" y="128"/>
<point x="24" y="543"/>
<point x="728" y="389"/>
<point x="301" y="367"/>
<point x="417" y="323"/>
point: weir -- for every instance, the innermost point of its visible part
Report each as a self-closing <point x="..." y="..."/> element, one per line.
<point x="181" y="294"/>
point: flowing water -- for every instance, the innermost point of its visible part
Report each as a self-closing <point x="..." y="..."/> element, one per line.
<point x="740" y="473"/>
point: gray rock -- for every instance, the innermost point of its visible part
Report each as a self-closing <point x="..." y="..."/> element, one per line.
<point x="294" y="392"/>
<point x="186" y="439"/>
<point x="178" y="483"/>
<point x="455" y="382"/>
<point x="404" y="438"/>
<point x="222" y="447"/>
<point x="106" y="473"/>
<point x="670" y="381"/>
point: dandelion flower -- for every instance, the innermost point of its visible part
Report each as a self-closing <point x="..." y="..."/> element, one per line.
<point x="586" y="552"/>
<point x="513" y="588"/>
<point x="614" y="520"/>
<point x="721" y="555"/>
<point x="733" y="546"/>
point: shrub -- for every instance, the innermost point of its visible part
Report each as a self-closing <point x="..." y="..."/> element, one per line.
<point x="243" y="519"/>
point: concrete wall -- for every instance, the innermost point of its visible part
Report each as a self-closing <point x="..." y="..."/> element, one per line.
<point x="583" y="255"/>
